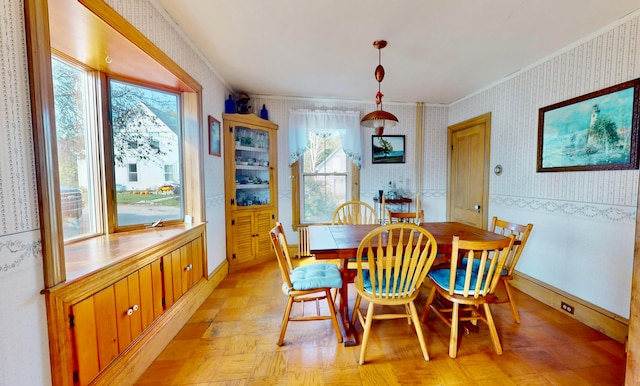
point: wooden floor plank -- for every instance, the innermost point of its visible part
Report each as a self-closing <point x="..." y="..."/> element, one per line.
<point x="231" y="340"/>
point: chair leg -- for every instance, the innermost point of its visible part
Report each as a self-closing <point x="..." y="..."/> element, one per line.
<point x="285" y="320"/>
<point x="334" y="294"/>
<point x="416" y="323"/>
<point x="512" y="302"/>
<point x="492" y="329"/>
<point x="427" y="307"/>
<point x="334" y="319"/>
<point x="407" y="310"/>
<point x="367" y="330"/>
<point x="453" y="339"/>
<point x="354" y="313"/>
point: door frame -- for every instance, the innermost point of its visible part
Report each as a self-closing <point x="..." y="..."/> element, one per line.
<point x="484" y="119"/>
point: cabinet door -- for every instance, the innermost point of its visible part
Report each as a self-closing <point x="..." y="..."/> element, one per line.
<point x="186" y="264"/>
<point x="147" y="296"/>
<point x="182" y="268"/>
<point x="105" y="319"/>
<point x="85" y="339"/>
<point x="156" y="284"/>
<point x="197" y="256"/>
<point x="128" y="316"/>
<point x="264" y="222"/>
<point x="94" y="334"/>
<point x="243" y="238"/>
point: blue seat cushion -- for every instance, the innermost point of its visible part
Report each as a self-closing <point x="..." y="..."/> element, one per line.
<point x="316" y="276"/>
<point x="366" y="281"/>
<point x="441" y="278"/>
<point x="476" y="266"/>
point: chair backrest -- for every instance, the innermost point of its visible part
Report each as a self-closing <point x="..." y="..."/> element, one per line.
<point x="279" y="242"/>
<point x="354" y="212"/>
<point x="396" y="259"/>
<point x="521" y="233"/>
<point x="484" y="263"/>
<point x="409" y="217"/>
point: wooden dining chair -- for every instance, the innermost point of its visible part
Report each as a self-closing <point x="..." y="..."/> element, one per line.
<point x="312" y="282"/>
<point x="392" y="262"/>
<point x="354" y="212"/>
<point x="521" y="233"/>
<point x="410" y="217"/>
<point x="470" y="288"/>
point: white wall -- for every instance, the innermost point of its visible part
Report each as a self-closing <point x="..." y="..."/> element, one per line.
<point x="24" y="353"/>
<point x="584" y="222"/>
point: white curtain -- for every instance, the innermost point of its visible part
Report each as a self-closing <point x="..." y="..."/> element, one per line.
<point x="346" y="123"/>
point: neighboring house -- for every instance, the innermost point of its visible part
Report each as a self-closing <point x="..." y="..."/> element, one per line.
<point x="149" y="174"/>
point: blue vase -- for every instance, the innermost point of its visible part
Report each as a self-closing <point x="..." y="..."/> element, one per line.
<point x="229" y="106"/>
<point x="264" y="113"/>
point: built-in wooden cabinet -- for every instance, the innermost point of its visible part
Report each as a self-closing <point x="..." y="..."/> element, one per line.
<point x="251" y="188"/>
<point x="251" y="232"/>
<point x="98" y="318"/>
<point x="181" y="269"/>
<point x="104" y="324"/>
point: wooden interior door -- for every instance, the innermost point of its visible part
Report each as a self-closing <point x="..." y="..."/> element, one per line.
<point x="467" y="196"/>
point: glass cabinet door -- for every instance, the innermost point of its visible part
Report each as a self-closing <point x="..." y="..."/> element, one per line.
<point x="252" y="167"/>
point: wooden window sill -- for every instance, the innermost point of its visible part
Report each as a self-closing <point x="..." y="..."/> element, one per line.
<point x="89" y="257"/>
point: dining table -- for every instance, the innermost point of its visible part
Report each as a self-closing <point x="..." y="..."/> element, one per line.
<point x="342" y="241"/>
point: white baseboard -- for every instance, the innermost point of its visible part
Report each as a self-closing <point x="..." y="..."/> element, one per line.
<point x="610" y="324"/>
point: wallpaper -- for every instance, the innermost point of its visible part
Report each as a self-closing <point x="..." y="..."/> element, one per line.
<point x="584" y="222"/>
<point x="608" y="59"/>
<point x="19" y="244"/>
<point x="24" y="354"/>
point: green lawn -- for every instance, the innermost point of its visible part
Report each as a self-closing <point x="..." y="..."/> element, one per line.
<point x="157" y="199"/>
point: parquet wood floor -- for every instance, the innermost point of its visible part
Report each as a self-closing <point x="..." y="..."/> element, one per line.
<point x="231" y="340"/>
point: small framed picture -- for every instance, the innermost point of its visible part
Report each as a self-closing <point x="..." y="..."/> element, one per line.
<point x="387" y="149"/>
<point x="214" y="136"/>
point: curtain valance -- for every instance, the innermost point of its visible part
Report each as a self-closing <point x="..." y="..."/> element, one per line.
<point x="302" y="122"/>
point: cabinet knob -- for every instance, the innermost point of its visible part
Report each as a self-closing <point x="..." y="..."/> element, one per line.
<point x="132" y="309"/>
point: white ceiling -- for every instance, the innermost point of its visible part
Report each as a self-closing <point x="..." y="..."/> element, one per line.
<point x="438" y="50"/>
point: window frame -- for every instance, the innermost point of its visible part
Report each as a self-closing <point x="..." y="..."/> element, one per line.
<point x="39" y="52"/>
<point x="96" y="195"/>
<point x="297" y="191"/>
<point x="324" y="174"/>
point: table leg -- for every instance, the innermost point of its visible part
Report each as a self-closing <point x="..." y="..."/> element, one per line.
<point x="348" y="333"/>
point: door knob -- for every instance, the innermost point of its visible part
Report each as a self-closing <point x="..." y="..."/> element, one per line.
<point x="477" y="208"/>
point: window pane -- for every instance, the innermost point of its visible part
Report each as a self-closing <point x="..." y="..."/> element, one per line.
<point x="146" y="129"/>
<point x="324" y="177"/>
<point x="324" y="154"/>
<point x="322" y="195"/>
<point x="73" y="98"/>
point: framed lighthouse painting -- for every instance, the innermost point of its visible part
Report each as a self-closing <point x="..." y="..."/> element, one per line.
<point x="595" y="131"/>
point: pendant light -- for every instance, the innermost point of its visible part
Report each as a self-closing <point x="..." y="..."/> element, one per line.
<point x="379" y="119"/>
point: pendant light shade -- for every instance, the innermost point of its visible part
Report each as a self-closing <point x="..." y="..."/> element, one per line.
<point x="379" y="119"/>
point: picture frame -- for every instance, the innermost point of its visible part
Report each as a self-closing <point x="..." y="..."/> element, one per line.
<point x="595" y="131"/>
<point x="387" y="149"/>
<point x="214" y="136"/>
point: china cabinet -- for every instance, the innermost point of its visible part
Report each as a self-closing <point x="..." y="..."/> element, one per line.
<point x="251" y="188"/>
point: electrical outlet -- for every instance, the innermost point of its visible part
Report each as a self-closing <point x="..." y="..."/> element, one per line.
<point x="567" y="307"/>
